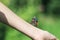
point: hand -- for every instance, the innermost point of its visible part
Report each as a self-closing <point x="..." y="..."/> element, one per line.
<point x="45" y="36"/>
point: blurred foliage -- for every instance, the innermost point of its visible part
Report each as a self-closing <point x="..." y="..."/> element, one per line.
<point x="26" y="9"/>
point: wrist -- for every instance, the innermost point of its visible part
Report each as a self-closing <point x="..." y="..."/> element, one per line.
<point x="39" y="34"/>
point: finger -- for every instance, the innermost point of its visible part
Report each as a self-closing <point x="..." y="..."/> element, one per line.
<point x="53" y="39"/>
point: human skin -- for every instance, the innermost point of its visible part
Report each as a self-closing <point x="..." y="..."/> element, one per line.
<point x="10" y="18"/>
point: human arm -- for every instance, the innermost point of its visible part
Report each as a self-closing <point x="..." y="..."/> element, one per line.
<point x="10" y="18"/>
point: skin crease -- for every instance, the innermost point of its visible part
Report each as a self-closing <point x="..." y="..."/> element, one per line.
<point x="16" y="22"/>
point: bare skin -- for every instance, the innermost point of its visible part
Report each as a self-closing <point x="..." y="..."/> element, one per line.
<point x="10" y="18"/>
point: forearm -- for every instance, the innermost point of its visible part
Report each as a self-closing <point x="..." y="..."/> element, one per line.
<point x="16" y="22"/>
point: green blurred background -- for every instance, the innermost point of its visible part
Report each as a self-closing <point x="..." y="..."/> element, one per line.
<point x="26" y="9"/>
